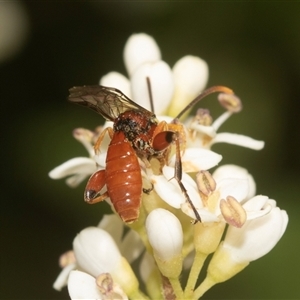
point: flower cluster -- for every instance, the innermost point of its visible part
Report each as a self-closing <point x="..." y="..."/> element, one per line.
<point x="168" y="238"/>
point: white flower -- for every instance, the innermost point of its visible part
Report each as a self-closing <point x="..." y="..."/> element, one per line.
<point x="168" y="189"/>
<point x="183" y="190"/>
<point x="128" y="244"/>
<point x="172" y="89"/>
<point x="243" y="245"/>
<point x="258" y="236"/>
<point x="14" y="24"/>
<point x="230" y="180"/>
<point x="97" y="253"/>
<point x="78" y="168"/>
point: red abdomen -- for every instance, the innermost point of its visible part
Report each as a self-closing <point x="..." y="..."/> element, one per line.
<point x="123" y="178"/>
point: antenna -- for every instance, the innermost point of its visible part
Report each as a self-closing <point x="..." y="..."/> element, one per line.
<point x="150" y="94"/>
<point x="214" y="89"/>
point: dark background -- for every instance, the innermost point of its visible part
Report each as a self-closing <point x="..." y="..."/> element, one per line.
<point x="252" y="47"/>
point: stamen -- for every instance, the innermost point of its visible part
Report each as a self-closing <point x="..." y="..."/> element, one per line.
<point x="230" y="102"/>
<point x="105" y="283"/>
<point x="67" y="258"/>
<point x="205" y="182"/>
<point x="233" y="212"/>
<point x="203" y="117"/>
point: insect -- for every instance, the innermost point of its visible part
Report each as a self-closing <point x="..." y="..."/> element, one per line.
<point x="136" y="133"/>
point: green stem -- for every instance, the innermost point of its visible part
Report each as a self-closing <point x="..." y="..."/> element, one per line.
<point x="176" y="288"/>
<point x="206" y="284"/>
<point x="194" y="274"/>
<point x="138" y="295"/>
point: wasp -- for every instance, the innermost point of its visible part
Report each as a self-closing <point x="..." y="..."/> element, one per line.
<point x="136" y="133"/>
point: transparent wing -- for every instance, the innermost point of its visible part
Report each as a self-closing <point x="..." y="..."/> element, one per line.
<point x="108" y="102"/>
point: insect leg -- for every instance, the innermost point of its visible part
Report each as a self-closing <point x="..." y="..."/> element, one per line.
<point x="101" y="137"/>
<point x="94" y="186"/>
<point x="148" y="191"/>
<point x="178" y="175"/>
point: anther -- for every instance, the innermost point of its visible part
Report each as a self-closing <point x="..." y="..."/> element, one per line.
<point x="205" y="182"/>
<point x="203" y="117"/>
<point x="233" y="212"/>
<point x="230" y="102"/>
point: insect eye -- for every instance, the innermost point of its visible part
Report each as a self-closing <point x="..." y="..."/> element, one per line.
<point x="162" y="140"/>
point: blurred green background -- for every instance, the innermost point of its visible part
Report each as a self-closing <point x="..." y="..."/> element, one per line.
<point x="251" y="47"/>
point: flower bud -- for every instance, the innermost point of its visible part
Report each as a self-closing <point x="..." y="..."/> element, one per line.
<point x="166" y="238"/>
<point x="190" y="75"/>
<point x="118" y="81"/>
<point x="161" y="84"/>
<point x="139" y="49"/>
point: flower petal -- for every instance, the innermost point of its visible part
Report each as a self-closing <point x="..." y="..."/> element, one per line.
<point x="257" y="237"/>
<point x="140" y="48"/>
<point x="205" y="215"/>
<point x="258" y="206"/>
<point x="197" y="159"/>
<point x="220" y="120"/>
<point x="164" y="233"/>
<point x="237" y="188"/>
<point x="75" y="180"/>
<point x="162" y="85"/>
<point x="207" y="130"/>
<point x="132" y="246"/>
<point x="170" y="193"/>
<point x="190" y="75"/>
<point x="82" y="165"/>
<point x="96" y="251"/>
<point x="113" y="225"/>
<point x="233" y="171"/>
<point x="83" y="286"/>
<point x="118" y="81"/>
<point x="146" y="266"/>
<point x="62" y="278"/>
<point x="85" y="137"/>
<point x="239" y="140"/>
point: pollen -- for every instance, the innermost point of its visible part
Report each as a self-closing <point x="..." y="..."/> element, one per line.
<point x="233" y="212"/>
